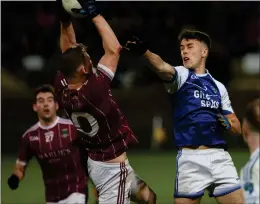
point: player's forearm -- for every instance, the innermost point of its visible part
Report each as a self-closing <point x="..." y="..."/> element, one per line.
<point x="67" y="36"/>
<point x="162" y="69"/>
<point x="19" y="171"/>
<point x="110" y="42"/>
<point x="19" y="174"/>
<point x="155" y="60"/>
<point x="235" y="126"/>
<point x="16" y="177"/>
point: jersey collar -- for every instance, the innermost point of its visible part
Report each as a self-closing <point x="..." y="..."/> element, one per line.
<point x="50" y="126"/>
<point x="201" y="75"/>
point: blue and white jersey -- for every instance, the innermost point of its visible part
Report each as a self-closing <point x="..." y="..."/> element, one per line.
<point x="196" y="100"/>
<point x="249" y="177"/>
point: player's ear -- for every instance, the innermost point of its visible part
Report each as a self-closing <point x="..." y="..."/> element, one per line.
<point x="56" y="106"/>
<point x="34" y="107"/>
<point x="205" y="50"/>
<point x="83" y="69"/>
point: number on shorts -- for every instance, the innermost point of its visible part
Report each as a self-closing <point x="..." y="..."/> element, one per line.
<point x="85" y="123"/>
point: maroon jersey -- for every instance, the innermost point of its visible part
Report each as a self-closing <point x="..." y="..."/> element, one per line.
<point x="62" y="170"/>
<point x="95" y="113"/>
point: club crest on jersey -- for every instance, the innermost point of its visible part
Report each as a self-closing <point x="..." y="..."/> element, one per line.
<point x="193" y="76"/>
<point x="214" y="89"/>
<point x="64" y="133"/>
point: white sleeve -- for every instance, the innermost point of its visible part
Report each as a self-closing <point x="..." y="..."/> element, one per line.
<point x="104" y="69"/>
<point x="225" y="102"/>
<point x="181" y="75"/>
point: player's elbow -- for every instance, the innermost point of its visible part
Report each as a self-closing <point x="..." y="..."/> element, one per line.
<point x="114" y="50"/>
<point x="236" y="127"/>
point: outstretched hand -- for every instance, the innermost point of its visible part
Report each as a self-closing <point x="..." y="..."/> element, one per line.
<point x="89" y="8"/>
<point x="136" y="45"/>
<point x="63" y="15"/>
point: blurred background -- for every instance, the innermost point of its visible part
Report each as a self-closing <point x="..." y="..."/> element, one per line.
<point x="30" y="42"/>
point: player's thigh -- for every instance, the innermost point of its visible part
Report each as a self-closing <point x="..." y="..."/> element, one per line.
<point x="187" y="201"/>
<point x="226" y="180"/>
<point x="112" y="181"/>
<point x="141" y="192"/>
<point x="236" y="197"/>
<point x="193" y="175"/>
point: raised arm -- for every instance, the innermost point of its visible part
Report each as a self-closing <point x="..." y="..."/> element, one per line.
<point x="67" y="34"/>
<point x="164" y="70"/>
<point x="110" y="42"/>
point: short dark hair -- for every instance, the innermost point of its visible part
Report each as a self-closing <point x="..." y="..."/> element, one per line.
<point x="70" y="60"/>
<point x="194" y="34"/>
<point x="253" y="114"/>
<point x="45" y="88"/>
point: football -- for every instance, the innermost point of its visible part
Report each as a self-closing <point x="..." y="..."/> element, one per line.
<point x="68" y="5"/>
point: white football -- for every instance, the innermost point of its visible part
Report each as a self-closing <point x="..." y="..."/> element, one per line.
<point x="70" y="4"/>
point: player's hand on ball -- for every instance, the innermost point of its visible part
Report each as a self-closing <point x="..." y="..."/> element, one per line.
<point x="63" y="15"/>
<point x="13" y="182"/>
<point x="136" y="46"/>
<point x="89" y="8"/>
<point x="224" y="123"/>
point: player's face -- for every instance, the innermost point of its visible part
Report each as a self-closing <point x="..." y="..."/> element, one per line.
<point x="45" y="106"/>
<point x="192" y="53"/>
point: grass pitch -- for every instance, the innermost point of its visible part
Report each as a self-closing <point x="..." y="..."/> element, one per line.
<point x="156" y="168"/>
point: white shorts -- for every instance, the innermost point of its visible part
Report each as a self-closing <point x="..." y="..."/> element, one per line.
<point x="198" y="170"/>
<point x="75" y="198"/>
<point x="114" y="181"/>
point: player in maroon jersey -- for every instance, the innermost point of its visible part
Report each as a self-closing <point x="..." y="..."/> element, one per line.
<point x="84" y="92"/>
<point x="51" y="142"/>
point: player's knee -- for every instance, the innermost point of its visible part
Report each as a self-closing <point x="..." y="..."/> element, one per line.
<point x="235" y="197"/>
<point x="145" y="195"/>
<point x="152" y="197"/>
<point x="186" y="201"/>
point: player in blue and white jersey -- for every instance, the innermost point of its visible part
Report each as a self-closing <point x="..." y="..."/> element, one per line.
<point x="250" y="173"/>
<point x="201" y="112"/>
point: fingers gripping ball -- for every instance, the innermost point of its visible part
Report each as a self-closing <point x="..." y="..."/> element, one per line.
<point x="71" y="5"/>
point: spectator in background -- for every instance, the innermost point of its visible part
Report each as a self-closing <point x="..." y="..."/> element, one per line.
<point x="251" y="133"/>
